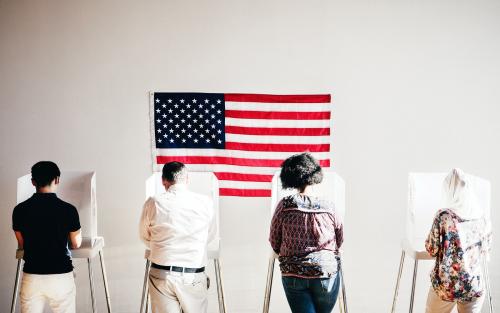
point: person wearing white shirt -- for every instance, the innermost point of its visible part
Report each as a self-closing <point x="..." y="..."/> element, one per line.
<point x="177" y="226"/>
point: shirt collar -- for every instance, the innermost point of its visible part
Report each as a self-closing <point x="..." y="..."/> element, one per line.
<point x="44" y="194"/>
<point x="179" y="187"/>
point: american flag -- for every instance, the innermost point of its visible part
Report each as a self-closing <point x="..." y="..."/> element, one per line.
<point x="242" y="138"/>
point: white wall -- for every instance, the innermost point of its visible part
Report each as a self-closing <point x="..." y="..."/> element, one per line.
<point x="415" y="87"/>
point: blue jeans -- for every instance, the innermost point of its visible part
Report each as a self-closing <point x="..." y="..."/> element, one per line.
<point x="314" y="295"/>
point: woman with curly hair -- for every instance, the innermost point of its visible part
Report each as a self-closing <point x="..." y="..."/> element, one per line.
<point x="306" y="233"/>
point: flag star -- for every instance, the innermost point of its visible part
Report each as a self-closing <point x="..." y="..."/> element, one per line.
<point x="200" y="106"/>
<point x="195" y="121"/>
<point x="183" y="140"/>
<point x="219" y="141"/>
<point x="170" y="120"/>
<point x="201" y="125"/>
<point x="189" y="125"/>
<point x="194" y="110"/>
<point x="206" y="100"/>
<point x="177" y="135"/>
<point x="176" y="115"/>
<point x="171" y="130"/>
<point x="213" y="126"/>
<point x="164" y="115"/>
<point x="200" y="115"/>
<point x="212" y="116"/>
<point x="176" y="105"/>
<point x="188" y="106"/>
<point x="177" y="125"/>
<point x="201" y="135"/>
<point x="182" y="100"/>
<point x="218" y="101"/>
<point x="195" y="141"/>
<point x="157" y="110"/>
<point x="207" y="131"/>
<point x="218" y="111"/>
<point x="169" y="100"/>
<point x="172" y="140"/>
<point x="206" y="121"/>
<point x="182" y="111"/>
<point x="159" y="140"/>
<point x="170" y="110"/>
<point x="206" y="111"/>
<point x="208" y="140"/>
<point x="183" y="120"/>
<point x="164" y="105"/>
<point x="194" y="100"/>
<point x="188" y="116"/>
<point x="159" y="130"/>
<point x="165" y="135"/>
<point x="219" y="121"/>
<point x="164" y="125"/>
<point x="158" y="120"/>
<point x="189" y="135"/>
<point x="213" y="136"/>
<point x="195" y="130"/>
<point x="157" y="100"/>
<point x="183" y="130"/>
<point x="219" y="131"/>
<point x="212" y="106"/>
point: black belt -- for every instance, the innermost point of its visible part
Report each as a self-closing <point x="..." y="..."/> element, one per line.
<point x="178" y="268"/>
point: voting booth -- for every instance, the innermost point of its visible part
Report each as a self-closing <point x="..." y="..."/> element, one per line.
<point x="424" y="200"/>
<point x="204" y="183"/>
<point x="331" y="188"/>
<point x="79" y="189"/>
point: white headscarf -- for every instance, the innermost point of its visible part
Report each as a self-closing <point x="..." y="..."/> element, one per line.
<point x="459" y="196"/>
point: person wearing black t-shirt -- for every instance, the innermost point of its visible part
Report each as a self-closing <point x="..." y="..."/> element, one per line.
<point x="45" y="226"/>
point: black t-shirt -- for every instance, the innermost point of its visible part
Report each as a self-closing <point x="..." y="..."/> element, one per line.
<point x="45" y="221"/>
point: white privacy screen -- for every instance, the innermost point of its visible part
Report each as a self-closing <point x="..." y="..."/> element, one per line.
<point x="75" y="187"/>
<point x="332" y="188"/>
<point x="204" y="183"/>
<point x="424" y="200"/>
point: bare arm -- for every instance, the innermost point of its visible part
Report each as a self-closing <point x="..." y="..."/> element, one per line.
<point x="20" y="240"/>
<point x="75" y="239"/>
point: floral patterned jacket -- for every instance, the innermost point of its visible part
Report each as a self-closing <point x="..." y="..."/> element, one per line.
<point x="458" y="246"/>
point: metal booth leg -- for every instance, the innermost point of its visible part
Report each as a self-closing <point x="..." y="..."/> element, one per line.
<point x="220" y="289"/>
<point x="487" y="282"/>
<point x="92" y="290"/>
<point x="398" y="279"/>
<point x="145" y="297"/>
<point x="269" y="285"/>
<point x="344" y="296"/>
<point x="16" y="286"/>
<point x="414" y="282"/>
<point x="105" y="280"/>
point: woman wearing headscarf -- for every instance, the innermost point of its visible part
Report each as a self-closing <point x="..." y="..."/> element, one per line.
<point x="459" y="240"/>
<point x="306" y="233"/>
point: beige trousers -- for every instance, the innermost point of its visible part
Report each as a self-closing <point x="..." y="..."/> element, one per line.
<point x="57" y="289"/>
<point x="175" y="292"/>
<point x="436" y="305"/>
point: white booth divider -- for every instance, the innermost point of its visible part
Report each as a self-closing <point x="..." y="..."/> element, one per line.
<point x="331" y="188"/>
<point x="424" y="200"/>
<point x="77" y="188"/>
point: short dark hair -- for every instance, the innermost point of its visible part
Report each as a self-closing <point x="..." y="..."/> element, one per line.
<point x="300" y="170"/>
<point x="44" y="172"/>
<point x="174" y="171"/>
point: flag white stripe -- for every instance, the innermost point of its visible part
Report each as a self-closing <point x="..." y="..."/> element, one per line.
<point x="228" y="168"/>
<point x="278" y="139"/>
<point x="278" y="107"/>
<point x="244" y="184"/>
<point x="237" y="153"/>
<point x="231" y="121"/>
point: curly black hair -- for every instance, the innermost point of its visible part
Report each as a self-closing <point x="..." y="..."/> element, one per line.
<point x="300" y="170"/>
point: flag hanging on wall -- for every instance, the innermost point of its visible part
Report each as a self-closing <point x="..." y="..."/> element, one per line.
<point x="242" y="138"/>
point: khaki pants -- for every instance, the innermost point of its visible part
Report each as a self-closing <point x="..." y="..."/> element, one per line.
<point x="57" y="289"/>
<point x="436" y="305"/>
<point x="175" y="292"/>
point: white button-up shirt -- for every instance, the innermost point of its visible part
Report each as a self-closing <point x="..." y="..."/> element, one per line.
<point x="177" y="226"/>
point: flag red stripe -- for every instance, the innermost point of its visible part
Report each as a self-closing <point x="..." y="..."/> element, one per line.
<point x="265" y="115"/>
<point x="243" y="177"/>
<point x="277" y="147"/>
<point x="226" y="161"/>
<point x="238" y="97"/>
<point x="277" y="131"/>
<point x="244" y="192"/>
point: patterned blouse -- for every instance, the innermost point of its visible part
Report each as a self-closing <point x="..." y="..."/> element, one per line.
<point x="458" y="246"/>
<point x="306" y="233"/>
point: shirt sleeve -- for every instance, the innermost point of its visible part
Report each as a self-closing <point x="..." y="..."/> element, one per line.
<point x="433" y="241"/>
<point x="487" y="240"/>
<point x="275" y="232"/>
<point x="17" y="219"/>
<point x="145" y="222"/>
<point x="212" y="228"/>
<point x="73" y="219"/>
